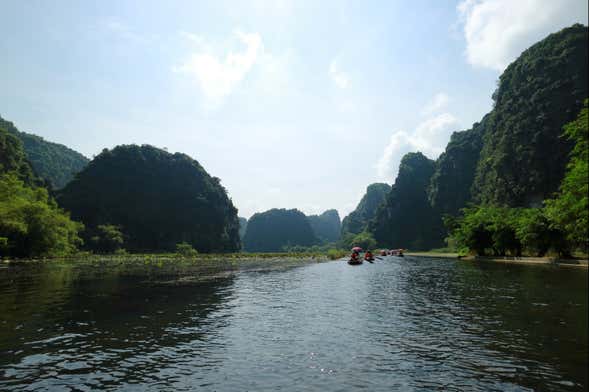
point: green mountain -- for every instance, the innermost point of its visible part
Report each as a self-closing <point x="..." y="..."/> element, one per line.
<point x="327" y="226"/>
<point x="55" y="163"/>
<point x="358" y="219"/>
<point x="406" y="219"/>
<point x="451" y="183"/>
<point x="157" y="199"/>
<point x="516" y="156"/>
<point x="523" y="158"/>
<point x="275" y="229"/>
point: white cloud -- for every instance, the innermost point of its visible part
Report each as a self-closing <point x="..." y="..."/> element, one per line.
<point x="497" y="31"/>
<point x="340" y="78"/>
<point x="429" y="137"/>
<point x="438" y="102"/>
<point x="218" y="77"/>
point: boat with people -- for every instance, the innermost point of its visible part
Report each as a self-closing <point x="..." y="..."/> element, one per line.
<point x="397" y="252"/>
<point x="355" y="256"/>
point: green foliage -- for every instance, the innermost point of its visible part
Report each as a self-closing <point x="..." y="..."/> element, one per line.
<point x="364" y="240"/>
<point x="406" y="219"/>
<point x="278" y="229"/>
<point x="502" y="231"/>
<point x="523" y="159"/>
<point x="536" y="234"/>
<point x="327" y="226"/>
<point x="106" y="239"/>
<point x="13" y="158"/>
<point x="55" y="163"/>
<point x="186" y="250"/>
<point x="357" y="221"/>
<point x="31" y="223"/>
<point x="159" y="199"/>
<point x="569" y="211"/>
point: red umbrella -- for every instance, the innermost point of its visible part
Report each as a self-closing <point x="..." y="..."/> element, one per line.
<point x="356" y="249"/>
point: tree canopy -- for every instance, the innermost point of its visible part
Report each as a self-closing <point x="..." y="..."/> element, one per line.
<point x="31" y="224"/>
<point x="155" y="198"/>
<point x="569" y="210"/>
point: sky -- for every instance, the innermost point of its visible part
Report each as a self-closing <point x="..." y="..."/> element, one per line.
<point x="292" y="103"/>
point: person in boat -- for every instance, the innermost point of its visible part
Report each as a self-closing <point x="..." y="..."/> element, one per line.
<point x="354" y="256"/>
<point x="368" y="256"/>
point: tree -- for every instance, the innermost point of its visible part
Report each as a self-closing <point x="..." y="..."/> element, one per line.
<point x="364" y="240"/>
<point x="31" y="224"/>
<point x="107" y="239"/>
<point x="568" y="212"/>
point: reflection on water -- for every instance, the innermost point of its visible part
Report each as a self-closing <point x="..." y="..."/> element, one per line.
<point x="398" y="324"/>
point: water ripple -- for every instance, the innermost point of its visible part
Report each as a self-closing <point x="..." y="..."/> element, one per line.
<point x="398" y="324"/>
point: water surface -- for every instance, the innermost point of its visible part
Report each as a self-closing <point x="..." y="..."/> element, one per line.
<point x="397" y="324"/>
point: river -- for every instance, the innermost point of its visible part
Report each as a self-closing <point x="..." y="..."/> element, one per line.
<point x="398" y="324"/>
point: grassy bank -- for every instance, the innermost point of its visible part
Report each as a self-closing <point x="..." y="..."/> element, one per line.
<point x="433" y="253"/>
<point x="167" y="267"/>
<point x="577" y="262"/>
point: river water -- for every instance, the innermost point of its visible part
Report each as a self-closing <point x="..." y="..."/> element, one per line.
<point x="398" y="324"/>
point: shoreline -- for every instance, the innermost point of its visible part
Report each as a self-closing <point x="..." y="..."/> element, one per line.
<point x="582" y="263"/>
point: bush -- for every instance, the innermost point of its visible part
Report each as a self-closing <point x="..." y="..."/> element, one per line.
<point x="185" y="250"/>
<point x="335" y="254"/>
<point x="106" y="239"/>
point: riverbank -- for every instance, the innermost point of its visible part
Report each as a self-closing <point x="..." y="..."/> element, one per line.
<point x="438" y="255"/>
<point x="583" y="263"/>
<point x="173" y="265"/>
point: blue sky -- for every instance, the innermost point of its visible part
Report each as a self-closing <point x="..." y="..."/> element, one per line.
<point x="294" y="104"/>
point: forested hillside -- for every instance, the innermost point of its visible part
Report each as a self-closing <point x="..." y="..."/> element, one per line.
<point x="55" y="163"/>
<point x="277" y="229"/>
<point x="523" y="157"/>
<point x="13" y="158"/>
<point x="514" y="157"/>
<point x="358" y="219"/>
<point x="31" y="224"/>
<point x="451" y="183"/>
<point x="327" y="226"/>
<point x="156" y="199"/>
<point x="406" y="218"/>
